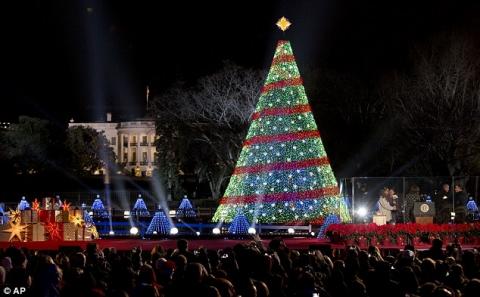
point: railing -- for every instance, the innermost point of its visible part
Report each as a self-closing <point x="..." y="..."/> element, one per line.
<point x="143" y="143"/>
<point x="132" y="163"/>
<point x="133" y="144"/>
<point x="144" y="163"/>
<point x="364" y="193"/>
<point x="118" y="202"/>
<point x="358" y="192"/>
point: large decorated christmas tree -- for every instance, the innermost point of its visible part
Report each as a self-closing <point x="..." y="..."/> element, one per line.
<point x="283" y="174"/>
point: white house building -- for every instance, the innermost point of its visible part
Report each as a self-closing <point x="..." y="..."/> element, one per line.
<point x="133" y="142"/>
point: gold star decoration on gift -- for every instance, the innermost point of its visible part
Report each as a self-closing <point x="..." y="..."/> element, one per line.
<point x="15" y="215"/>
<point x="53" y="230"/>
<point x="65" y="205"/>
<point x="16" y="230"/>
<point x="77" y="220"/>
<point x="35" y="205"/>
<point x="94" y="232"/>
<point x="283" y="24"/>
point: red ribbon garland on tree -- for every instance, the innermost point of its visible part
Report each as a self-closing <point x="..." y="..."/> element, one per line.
<point x="283" y="59"/>
<point x="268" y="198"/>
<point x="275" y="111"/>
<point x="282" y="137"/>
<point x="282" y="84"/>
<point x="282" y="166"/>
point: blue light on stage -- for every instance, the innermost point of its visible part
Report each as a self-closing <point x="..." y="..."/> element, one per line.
<point x="98" y="209"/>
<point x="159" y="224"/>
<point x="3" y="216"/>
<point x="471" y="205"/>
<point x="185" y="210"/>
<point x="239" y="225"/>
<point x="331" y="219"/>
<point x="23" y="204"/>
<point x="140" y="208"/>
<point x="87" y="218"/>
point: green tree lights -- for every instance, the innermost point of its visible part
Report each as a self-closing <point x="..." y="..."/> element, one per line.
<point x="283" y="174"/>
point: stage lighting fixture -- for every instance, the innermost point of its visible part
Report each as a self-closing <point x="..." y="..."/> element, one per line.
<point x="90" y="213"/>
<point x="173" y="231"/>
<point x="312" y="233"/>
<point x="134" y="231"/>
<point x="154" y="232"/>
<point x="198" y="233"/>
<point x="111" y="233"/>
<point x="291" y="231"/>
<point x="126" y="214"/>
<point x="362" y="211"/>
<point x="251" y="230"/>
<point x="216" y="231"/>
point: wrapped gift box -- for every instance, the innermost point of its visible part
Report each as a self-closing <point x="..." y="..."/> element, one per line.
<point x="46" y="216"/>
<point x="62" y="216"/>
<point x="48" y="203"/>
<point x="76" y="212"/>
<point x="72" y="232"/>
<point x="29" y="216"/>
<point x="36" y="232"/>
<point x="4" y="236"/>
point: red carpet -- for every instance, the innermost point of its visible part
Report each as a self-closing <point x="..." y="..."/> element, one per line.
<point x="127" y="244"/>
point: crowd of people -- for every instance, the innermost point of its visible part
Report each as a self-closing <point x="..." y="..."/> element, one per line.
<point x="247" y="270"/>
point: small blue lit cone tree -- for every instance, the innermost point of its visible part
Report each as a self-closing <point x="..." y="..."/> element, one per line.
<point x="160" y="224"/>
<point x="140" y="208"/>
<point x="239" y="225"/>
<point x="87" y="218"/>
<point x="185" y="210"/>
<point x="98" y="209"/>
<point x="3" y="216"/>
<point x="23" y="205"/>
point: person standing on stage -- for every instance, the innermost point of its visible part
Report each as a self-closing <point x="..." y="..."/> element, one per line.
<point x="461" y="199"/>
<point x="411" y="197"/>
<point x="393" y="200"/>
<point x="384" y="206"/>
<point x="443" y="201"/>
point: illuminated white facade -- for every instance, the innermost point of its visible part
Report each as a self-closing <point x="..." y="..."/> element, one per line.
<point x="133" y="143"/>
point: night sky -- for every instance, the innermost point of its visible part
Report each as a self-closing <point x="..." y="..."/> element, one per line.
<point x="63" y="59"/>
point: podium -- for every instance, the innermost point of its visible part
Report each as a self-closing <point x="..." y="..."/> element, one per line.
<point x="424" y="212"/>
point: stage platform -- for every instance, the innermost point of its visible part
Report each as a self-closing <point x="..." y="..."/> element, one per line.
<point x="147" y="244"/>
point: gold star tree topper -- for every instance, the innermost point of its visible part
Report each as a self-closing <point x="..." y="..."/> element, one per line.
<point x="283" y="23"/>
